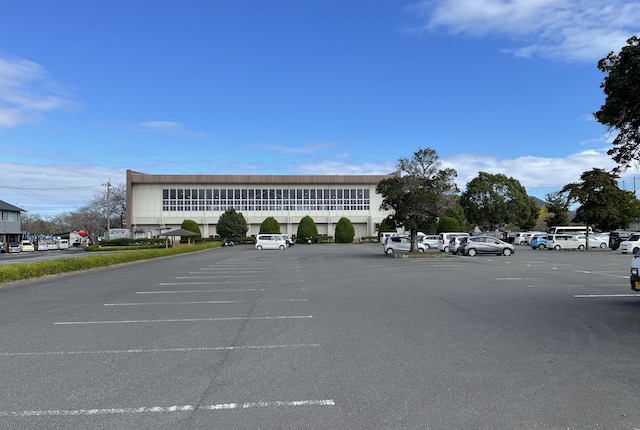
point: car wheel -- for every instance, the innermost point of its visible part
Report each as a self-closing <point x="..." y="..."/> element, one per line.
<point x="420" y="249"/>
<point x="541" y="246"/>
<point x="557" y="247"/>
<point x="446" y="249"/>
<point x="506" y="252"/>
<point x="580" y="247"/>
<point x="282" y="247"/>
<point x="603" y="245"/>
<point x="389" y="251"/>
<point x="471" y="252"/>
<point x="259" y="247"/>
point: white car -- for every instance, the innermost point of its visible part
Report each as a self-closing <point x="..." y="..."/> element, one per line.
<point x="563" y="241"/>
<point x="27" y="246"/>
<point x="445" y="237"/>
<point x="594" y="241"/>
<point x="400" y="244"/>
<point x="632" y="244"/>
<point x="270" y="241"/>
<point x="429" y="240"/>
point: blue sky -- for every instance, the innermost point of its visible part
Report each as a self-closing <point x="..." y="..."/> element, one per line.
<point x="90" y="89"/>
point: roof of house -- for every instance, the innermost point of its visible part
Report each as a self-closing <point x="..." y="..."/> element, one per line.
<point x="4" y="206"/>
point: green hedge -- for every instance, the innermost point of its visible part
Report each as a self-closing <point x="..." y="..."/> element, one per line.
<point x="19" y="271"/>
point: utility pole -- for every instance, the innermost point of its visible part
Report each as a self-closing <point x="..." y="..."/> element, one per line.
<point x="108" y="185"/>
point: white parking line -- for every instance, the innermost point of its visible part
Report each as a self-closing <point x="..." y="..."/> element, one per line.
<point x="183" y="320"/>
<point x="593" y="296"/>
<point x="153" y="350"/>
<point x="164" y="409"/>
<point x="208" y="302"/>
<point x="241" y="290"/>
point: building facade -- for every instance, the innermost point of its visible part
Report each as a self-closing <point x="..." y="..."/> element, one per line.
<point x="156" y="203"/>
<point x="10" y="228"/>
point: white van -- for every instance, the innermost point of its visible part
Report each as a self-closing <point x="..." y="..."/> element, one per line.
<point x="270" y="241"/>
<point x="444" y="238"/>
<point x="63" y="244"/>
<point x="563" y="241"/>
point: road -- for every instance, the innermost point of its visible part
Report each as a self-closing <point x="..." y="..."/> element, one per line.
<point x="326" y="337"/>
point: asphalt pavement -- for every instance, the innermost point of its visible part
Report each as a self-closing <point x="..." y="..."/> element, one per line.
<point x="326" y="337"/>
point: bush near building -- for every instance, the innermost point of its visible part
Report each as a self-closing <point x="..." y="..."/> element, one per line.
<point x="307" y="228"/>
<point x="345" y="231"/>
<point x="270" y="225"/>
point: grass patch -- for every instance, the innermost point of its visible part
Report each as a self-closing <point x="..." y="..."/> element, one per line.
<point x="21" y="271"/>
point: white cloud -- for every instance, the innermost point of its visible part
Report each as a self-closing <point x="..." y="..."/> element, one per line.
<point x="55" y="188"/>
<point x="570" y="30"/>
<point x="27" y="91"/>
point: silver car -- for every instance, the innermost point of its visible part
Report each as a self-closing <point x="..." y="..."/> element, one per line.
<point x="429" y="240"/>
<point x="486" y="245"/>
<point x="400" y="244"/>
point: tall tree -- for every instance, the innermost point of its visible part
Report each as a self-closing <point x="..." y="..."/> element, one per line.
<point x="621" y="109"/>
<point x="602" y="203"/>
<point x="493" y="201"/>
<point x="232" y="224"/>
<point x="557" y="205"/>
<point x="421" y="192"/>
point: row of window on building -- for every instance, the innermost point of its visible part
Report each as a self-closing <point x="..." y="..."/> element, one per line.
<point x="265" y="199"/>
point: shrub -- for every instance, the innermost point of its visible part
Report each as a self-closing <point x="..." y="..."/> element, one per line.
<point x="270" y="225"/>
<point x="345" y="231"/>
<point x="232" y="224"/>
<point x="307" y="228"/>
<point x="448" y="224"/>
<point x="191" y="225"/>
<point x="16" y="272"/>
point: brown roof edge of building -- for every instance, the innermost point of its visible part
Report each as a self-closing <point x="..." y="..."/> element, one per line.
<point x="143" y="178"/>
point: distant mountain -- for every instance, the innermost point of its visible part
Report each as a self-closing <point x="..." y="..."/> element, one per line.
<point x="539" y="202"/>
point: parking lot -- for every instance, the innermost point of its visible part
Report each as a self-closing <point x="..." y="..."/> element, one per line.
<point x="326" y="337"/>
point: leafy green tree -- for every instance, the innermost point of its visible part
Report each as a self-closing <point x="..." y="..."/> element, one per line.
<point x="307" y="228"/>
<point x="557" y="205"/>
<point x="420" y="192"/>
<point x="493" y="201"/>
<point x="270" y="225"/>
<point x="621" y="109"/>
<point x="345" y="231"/>
<point x="387" y="226"/>
<point x="232" y="224"/>
<point x="602" y="203"/>
<point x="191" y="225"/>
<point x="448" y="224"/>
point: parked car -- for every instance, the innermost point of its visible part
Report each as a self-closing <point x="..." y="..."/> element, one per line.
<point x="400" y="244"/>
<point x="594" y="241"/>
<point x="429" y="241"/>
<point x="287" y="238"/>
<point x="270" y="241"/>
<point x="14" y="247"/>
<point x="635" y="275"/>
<point x="632" y="244"/>
<point x="563" y="241"/>
<point x="538" y="241"/>
<point x="454" y="243"/>
<point x="521" y="238"/>
<point x="27" y="246"/>
<point x="486" y="245"/>
<point x="444" y="238"/>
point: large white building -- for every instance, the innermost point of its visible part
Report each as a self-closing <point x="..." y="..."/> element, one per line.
<point x="161" y="202"/>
